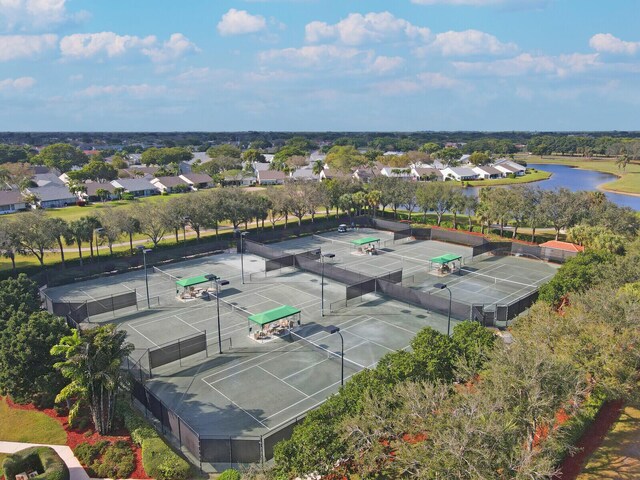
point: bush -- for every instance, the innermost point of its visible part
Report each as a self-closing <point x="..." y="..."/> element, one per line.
<point x="139" y="429"/>
<point x="230" y="474"/>
<point x="87" y="453"/>
<point x="161" y="462"/>
<point x="45" y="460"/>
<point x="116" y="462"/>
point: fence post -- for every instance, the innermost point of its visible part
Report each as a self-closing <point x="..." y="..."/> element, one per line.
<point x="180" y="350"/>
<point x="86" y="305"/>
<point x="149" y="362"/>
<point x="113" y="310"/>
<point x="206" y="348"/>
<point x="135" y="291"/>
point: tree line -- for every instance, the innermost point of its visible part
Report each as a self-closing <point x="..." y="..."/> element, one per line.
<point x="35" y="233"/>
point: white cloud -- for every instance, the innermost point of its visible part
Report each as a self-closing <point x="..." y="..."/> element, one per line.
<point x="469" y="42"/>
<point x="421" y="82"/>
<point x="142" y="90"/>
<point x="357" y="29"/>
<point x="382" y="64"/>
<point x="312" y="56"/>
<point x="174" y="48"/>
<point x="17" y="84"/>
<point x="25" y="46"/>
<point x="35" y="14"/>
<point x="87" y="45"/>
<point x="525" y="63"/>
<point x="607" y="43"/>
<point x="239" y="22"/>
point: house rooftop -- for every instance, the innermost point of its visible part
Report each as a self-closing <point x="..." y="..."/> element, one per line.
<point x="196" y="178"/>
<point x="51" y="192"/>
<point x="270" y="175"/>
<point x="169" y="181"/>
<point x="93" y="187"/>
<point x="134" y="184"/>
<point x="565" y="246"/>
<point x="9" y="197"/>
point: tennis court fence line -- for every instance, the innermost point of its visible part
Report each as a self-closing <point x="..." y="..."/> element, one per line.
<point x="79" y="311"/>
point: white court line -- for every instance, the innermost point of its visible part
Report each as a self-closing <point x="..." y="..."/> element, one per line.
<point x="188" y="324"/>
<point x="234" y="403"/>
<point x="287" y="384"/>
<point x="84" y="292"/>
<point x="394" y="325"/>
<point x="143" y="335"/>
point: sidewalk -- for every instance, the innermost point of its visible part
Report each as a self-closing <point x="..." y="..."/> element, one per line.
<point x="76" y="472"/>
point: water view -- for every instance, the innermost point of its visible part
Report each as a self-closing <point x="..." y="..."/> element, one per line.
<point x="575" y="179"/>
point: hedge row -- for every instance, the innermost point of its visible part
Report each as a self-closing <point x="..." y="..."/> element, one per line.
<point x="44" y="460"/>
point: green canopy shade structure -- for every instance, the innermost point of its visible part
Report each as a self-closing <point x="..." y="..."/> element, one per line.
<point x="274" y="315"/>
<point x="442" y="263"/>
<point x="191" y="281"/>
<point x="446" y="258"/>
<point x="365" y="241"/>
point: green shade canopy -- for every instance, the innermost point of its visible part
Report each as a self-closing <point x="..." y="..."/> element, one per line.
<point x="190" y="282"/>
<point x="446" y="258"/>
<point x="274" y="315"/>
<point x="365" y="241"/>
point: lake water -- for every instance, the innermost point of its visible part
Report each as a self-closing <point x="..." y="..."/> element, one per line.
<point x="575" y="179"/>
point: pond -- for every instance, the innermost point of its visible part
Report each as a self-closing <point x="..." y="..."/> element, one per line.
<point x="575" y="179"/>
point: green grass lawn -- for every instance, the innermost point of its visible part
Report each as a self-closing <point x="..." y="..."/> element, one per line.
<point x="29" y="426"/>
<point x="619" y="455"/>
<point x="74" y="213"/>
<point x="629" y="181"/>
<point x="534" y="176"/>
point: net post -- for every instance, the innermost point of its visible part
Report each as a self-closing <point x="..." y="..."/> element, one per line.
<point x="135" y="291"/>
<point x="206" y="347"/>
<point x="150" y="369"/>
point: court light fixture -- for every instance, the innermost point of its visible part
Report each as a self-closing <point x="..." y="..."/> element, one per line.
<point x="442" y="286"/>
<point x="331" y="329"/>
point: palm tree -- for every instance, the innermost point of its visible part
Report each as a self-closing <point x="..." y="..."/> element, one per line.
<point x="317" y="167"/>
<point x="76" y="233"/>
<point x="622" y="161"/>
<point x="59" y="229"/>
<point x="92" y="363"/>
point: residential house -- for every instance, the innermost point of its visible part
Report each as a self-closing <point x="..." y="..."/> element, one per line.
<point x="329" y="173"/>
<point x="11" y="201"/>
<point x="138" y="187"/>
<point x="91" y="193"/>
<point x="141" y="172"/>
<point x="426" y="174"/>
<point x="486" y="172"/>
<point x="365" y="174"/>
<point x="270" y="177"/>
<point x="171" y="184"/>
<point x="239" y="178"/>
<point x="396" y="172"/>
<point x="259" y="166"/>
<point x="53" y="196"/>
<point x="197" y="180"/>
<point x="507" y="167"/>
<point x="50" y="178"/>
<point x="305" y="173"/>
<point x="459" y="173"/>
<point x="564" y="246"/>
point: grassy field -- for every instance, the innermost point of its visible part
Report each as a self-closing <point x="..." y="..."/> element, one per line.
<point x="629" y="181"/>
<point x="74" y="213"/>
<point x="29" y="426"/>
<point x="532" y="176"/>
<point x="619" y="455"/>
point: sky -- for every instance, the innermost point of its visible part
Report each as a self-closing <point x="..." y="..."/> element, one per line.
<point x="319" y="65"/>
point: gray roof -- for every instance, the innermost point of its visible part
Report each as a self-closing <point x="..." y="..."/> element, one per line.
<point x="428" y="171"/>
<point x="508" y="167"/>
<point x="508" y="163"/>
<point x="270" y="175"/>
<point x="260" y="167"/>
<point x="134" y="184"/>
<point x="10" y="197"/>
<point x="93" y="187"/>
<point x="197" y="177"/>
<point x="170" y="181"/>
<point x="490" y="170"/>
<point x="463" y="171"/>
<point x="43" y="179"/>
<point x="304" y="173"/>
<point x="52" y="192"/>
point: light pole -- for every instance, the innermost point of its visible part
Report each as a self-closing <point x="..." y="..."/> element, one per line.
<point x="98" y="231"/>
<point x="331" y="329"/>
<point x="322" y="257"/>
<point x="218" y="283"/>
<point x="442" y="286"/>
<point x="242" y="234"/>
<point x="146" y="274"/>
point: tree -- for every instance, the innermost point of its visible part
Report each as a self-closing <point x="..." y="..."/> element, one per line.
<point x="224" y="150"/>
<point x="165" y="156"/>
<point x="597" y="238"/>
<point x="130" y="225"/>
<point x="110" y="221"/>
<point x="153" y="222"/>
<point x="61" y="156"/>
<point x="317" y="167"/>
<point x="234" y="205"/>
<point x="479" y="158"/>
<point x="9" y="241"/>
<point x="561" y="208"/>
<point x="79" y="231"/>
<point x="436" y="197"/>
<point x="96" y="170"/>
<point x="470" y="206"/>
<point x="119" y="162"/>
<point x="26" y="364"/>
<point x="279" y="207"/>
<point x="449" y="156"/>
<point x="458" y="205"/>
<point x="622" y="161"/>
<point x="252" y="156"/>
<point x="103" y="194"/>
<point x="430" y="148"/>
<point x="36" y="233"/>
<point x="92" y="364"/>
<point x="59" y="230"/>
<point x="344" y="158"/>
<point x="18" y="294"/>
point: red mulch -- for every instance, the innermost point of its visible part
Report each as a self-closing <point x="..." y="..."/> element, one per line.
<point x="591" y="440"/>
<point x="77" y="436"/>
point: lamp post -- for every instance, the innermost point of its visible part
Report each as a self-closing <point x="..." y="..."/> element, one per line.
<point x="98" y="231"/>
<point x="218" y="283"/>
<point x="331" y="329"/>
<point x="322" y="257"/>
<point x="242" y="234"/>
<point x="144" y="252"/>
<point x="442" y="286"/>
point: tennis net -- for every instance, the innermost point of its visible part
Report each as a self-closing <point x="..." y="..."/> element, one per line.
<point x="326" y="352"/>
<point x="482" y="277"/>
<point x="168" y="276"/>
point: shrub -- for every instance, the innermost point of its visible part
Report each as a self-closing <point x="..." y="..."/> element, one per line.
<point x="43" y="459"/>
<point x="87" y="454"/>
<point x="138" y="427"/>
<point x="230" y="474"/>
<point x="116" y="462"/>
<point x="161" y="462"/>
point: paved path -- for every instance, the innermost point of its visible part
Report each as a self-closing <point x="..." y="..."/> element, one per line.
<point x="76" y="472"/>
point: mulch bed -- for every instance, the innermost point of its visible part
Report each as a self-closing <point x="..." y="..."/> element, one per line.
<point x="77" y="436"/>
<point x="590" y="441"/>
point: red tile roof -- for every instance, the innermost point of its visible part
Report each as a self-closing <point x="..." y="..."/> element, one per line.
<point x="566" y="246"/>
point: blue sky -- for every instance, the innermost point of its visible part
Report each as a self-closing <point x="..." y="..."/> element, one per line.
<point x="341" y="65"/>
